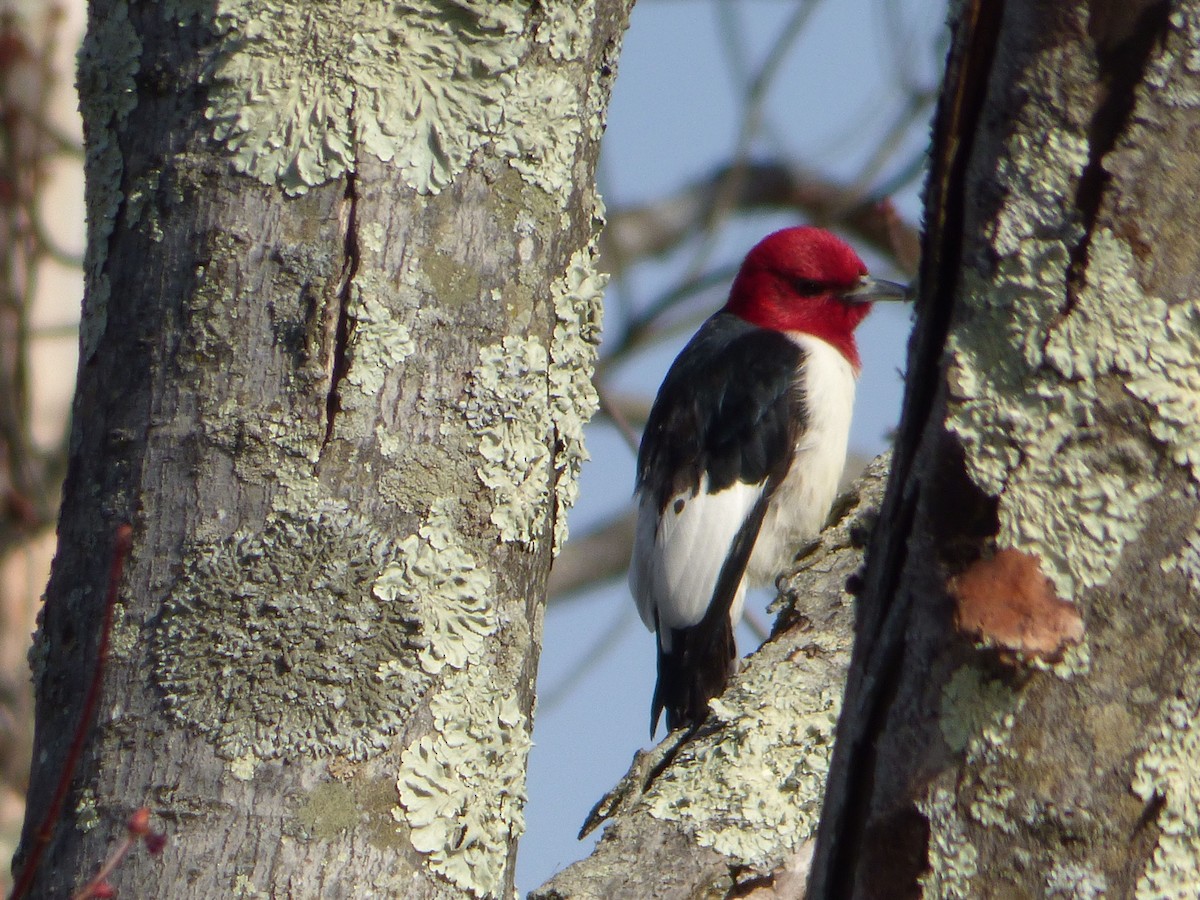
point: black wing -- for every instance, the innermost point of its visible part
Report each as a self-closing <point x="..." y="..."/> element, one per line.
<point x="729" y="408"/>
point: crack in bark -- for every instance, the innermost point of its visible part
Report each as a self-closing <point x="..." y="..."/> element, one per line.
<point x="880" y="649"/>
<point x="341" y="341"/>
<point x="1123" y="62"/>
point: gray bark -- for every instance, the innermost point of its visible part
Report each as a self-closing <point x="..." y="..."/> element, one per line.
<point x="1020" y="716"/>
<point x="339" y="317"/>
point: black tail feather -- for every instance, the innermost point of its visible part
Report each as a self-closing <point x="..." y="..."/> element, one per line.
<point x="703" y="656"/>
<point x="692" y="672"/>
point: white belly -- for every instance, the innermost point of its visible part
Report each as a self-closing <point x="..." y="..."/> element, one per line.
<point x="800" y="505"/>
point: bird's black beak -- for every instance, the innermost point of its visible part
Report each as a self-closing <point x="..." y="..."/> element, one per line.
<point x="876" y="290"/>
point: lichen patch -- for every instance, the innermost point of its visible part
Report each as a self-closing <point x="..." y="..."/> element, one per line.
<point x="379" y="343"/>
<point x="273" y="642"/>
<point x="976" y="712"/>
<point x="1168" y="381"/>
<point x="298" y="89"/>
<point x="567" y="27"/>
<point x="1187" y="559"/>
<point x="543" y="122"/>
<point x="754" y="792"/>
<point x="976" y="716"/>
<point x="508" y="408"/>
<point x="1026" y="368"/>
<point x="1169" y="771"/>
<point x="953" y="859"/>
<point x="578" y="305"/>
<point x="435" y="574"/>
<point x="462" y="787"/>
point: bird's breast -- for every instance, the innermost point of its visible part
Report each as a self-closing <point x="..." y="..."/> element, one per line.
<point x="801" y="503"/>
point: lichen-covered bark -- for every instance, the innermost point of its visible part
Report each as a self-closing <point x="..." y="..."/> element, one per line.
<point x="339" y="321"/>
<point x="1051" y="421"/>
<point x="734" y="810"/>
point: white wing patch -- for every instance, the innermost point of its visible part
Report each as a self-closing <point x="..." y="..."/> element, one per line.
<point x="677" y="560"/>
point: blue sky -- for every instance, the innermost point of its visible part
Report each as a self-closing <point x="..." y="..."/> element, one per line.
<point x="675" y="116"/>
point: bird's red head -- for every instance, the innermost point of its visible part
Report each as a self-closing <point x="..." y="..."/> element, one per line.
<point x="797" y="279"/>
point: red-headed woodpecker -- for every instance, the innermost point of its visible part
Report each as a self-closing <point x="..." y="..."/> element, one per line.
<point x="742" y="453"/>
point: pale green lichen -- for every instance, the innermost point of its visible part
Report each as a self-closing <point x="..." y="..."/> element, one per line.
<point x="425" y="83"/>
<point x="1076" y="662"/>
<point x="87" y="816"/>
<point x="543" y="122"/>
<point x="992" y="806"/>
<point x="271" y="641"/>
<point x="1104" y="303"/>
<point x="1025" y="369"/>
<point x="953" y="859"/>
<point x="462" y="787"/>
<point x="1169" y="771"/>
<point x="109" y="59"/>
<point x="567" y="27"/>
<point x="434" y="574"/>
<point x="243" y="888"/>
<point x="976" y="711"/>
<point x="298" y="89"/>
<point x="1154" y="345"/>
<point x="243" y="767"/>
<point x="372" y="237"/>
<point x="126" y="636"/>
<point x="1075" y="881"/>
<point x="976" y="716"/>
<point x="578" y="305"/>
<point x="1169" y="382"/>
<point x="378" y="344"/>
<point x="520" y="390"/>
<point x="508" y="408"/>
<point x="1187" y="559"/>
<point x="1163" y="75"/>
<point x="754" y="793"/>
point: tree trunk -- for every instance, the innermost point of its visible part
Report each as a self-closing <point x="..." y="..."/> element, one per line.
<point x="1021" y="715"/>
<point x="339" y="322"/>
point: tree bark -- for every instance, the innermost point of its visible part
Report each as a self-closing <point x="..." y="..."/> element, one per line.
<point x="339" y="321"/>
<point x="1020" y="716"/>
<point x="1021" y="713"/>
<point x="732" y="811"/>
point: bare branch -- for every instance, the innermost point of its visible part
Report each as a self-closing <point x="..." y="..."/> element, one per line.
<point x="599" y="555"/>
<point x="661" y="226"/>
<point x="805" y="663"/>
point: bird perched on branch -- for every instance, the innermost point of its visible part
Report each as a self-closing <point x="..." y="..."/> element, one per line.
<point x="742" y="453"/>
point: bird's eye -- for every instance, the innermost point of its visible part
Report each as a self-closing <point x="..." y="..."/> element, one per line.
<point x="807" y="287"/>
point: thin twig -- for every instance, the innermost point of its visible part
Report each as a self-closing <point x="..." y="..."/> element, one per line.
<point x="110" y="865"/>
<point x="617" y="417"/>
<point x="756" y="97"/>
<point x="121" y="548"/>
